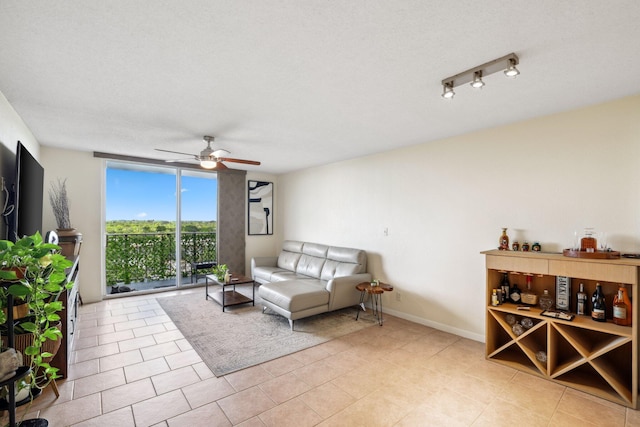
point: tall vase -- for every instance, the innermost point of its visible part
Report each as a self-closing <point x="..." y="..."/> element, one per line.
<point x="69" y="240"/>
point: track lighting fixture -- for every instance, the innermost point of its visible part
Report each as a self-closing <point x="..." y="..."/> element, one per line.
<point x="474" y="75"/>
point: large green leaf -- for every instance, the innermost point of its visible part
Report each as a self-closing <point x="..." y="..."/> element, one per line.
<point x="19" y="290"/>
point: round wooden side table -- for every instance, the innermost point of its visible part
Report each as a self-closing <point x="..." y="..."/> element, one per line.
<point x="376" y="297"/>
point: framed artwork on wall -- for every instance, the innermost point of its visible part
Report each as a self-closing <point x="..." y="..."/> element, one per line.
<point x="260" y="208"/>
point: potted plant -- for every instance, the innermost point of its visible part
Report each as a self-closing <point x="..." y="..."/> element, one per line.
<point x="34" y="271"/>
<point x="221" y="271"/>
<point x="70" y="238"/>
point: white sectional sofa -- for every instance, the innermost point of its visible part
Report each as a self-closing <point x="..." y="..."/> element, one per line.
<point x="310" y="278"/>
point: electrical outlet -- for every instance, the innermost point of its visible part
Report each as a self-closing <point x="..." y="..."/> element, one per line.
<point x="398" y="297"/>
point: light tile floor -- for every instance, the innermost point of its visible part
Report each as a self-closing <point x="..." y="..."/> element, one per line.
<point x="132" y="367"/>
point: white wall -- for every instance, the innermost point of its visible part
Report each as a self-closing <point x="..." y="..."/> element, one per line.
<point x="444" y="202"/>
<point x="84" y="175"/>
<point x="13" y="129"/>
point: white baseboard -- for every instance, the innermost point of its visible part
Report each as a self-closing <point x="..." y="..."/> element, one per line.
<point x="435" y="325"/>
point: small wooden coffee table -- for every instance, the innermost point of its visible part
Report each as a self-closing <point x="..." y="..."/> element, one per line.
<point x="227" y="298"/>
<point x="376" y="297"/>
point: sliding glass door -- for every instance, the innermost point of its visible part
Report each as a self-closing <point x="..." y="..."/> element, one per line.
<point x="198" y="209"/>
<point x="160" y="226"/>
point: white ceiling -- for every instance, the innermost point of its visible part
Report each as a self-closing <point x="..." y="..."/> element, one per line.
<point x="299" y="83"/>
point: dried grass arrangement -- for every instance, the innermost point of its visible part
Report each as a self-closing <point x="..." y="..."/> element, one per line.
<point x="60" y="204"/>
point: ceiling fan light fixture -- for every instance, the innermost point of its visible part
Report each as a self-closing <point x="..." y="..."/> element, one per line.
<point x="208" y="164"/>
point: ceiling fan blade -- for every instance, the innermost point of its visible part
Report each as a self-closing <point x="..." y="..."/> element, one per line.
<point x="175" y="152"/>
<point x="220" y="152"/>
<point x="190" y="159"/>
<point x="246" y="162"/>
<point x="220" y="166"/>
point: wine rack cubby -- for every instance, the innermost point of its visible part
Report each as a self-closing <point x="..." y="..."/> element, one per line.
<point x="593" y="357"/>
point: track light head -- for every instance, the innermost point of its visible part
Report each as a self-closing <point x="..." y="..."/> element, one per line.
<point x="447" y="92"/>
<point x="511" y="71"/>
<point x="477" y="82"/>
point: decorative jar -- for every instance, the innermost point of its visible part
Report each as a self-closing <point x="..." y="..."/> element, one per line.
<point x="545" y="300"/>
<point x="588" y="243"/>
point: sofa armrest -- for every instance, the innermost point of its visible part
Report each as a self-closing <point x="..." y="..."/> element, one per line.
<point x="343" y="292"/>
<point x="265" y="261"/>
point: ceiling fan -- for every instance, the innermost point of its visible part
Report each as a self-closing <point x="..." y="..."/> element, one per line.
<point x="210" y="158"/>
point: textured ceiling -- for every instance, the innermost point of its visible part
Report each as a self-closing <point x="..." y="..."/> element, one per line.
<point x="295" y="83"/>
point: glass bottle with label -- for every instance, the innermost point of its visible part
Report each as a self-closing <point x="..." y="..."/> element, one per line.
<point x="598" y="312"/>
<point x="622" y="308"/>
<point x="528" y="296"/>
<point x="494" y="298"/>
<point x="505" y="286"/>
<point x="588" y="243"/>
<point x="581" y="307"/>
<point x="514" y="296"/>
<point x="504" y="241"/>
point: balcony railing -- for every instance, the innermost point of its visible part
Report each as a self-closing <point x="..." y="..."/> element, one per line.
<point x="139" y="257"/>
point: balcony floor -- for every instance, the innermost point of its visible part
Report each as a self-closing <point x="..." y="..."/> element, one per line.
<point x="167" y="284"/>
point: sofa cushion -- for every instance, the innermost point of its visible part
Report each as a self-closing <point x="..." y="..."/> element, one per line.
<point x="350" y="256"/>
<point x="288" y="260"/>
<point x="292" y="246"/>
<point x="315" y="249"/>
<point x="282" y="275"/>
<point x="329" y="269"/>
<point x="310" y="266"/>
<point x="266" y="273"/>
<point x="295" y="295"/>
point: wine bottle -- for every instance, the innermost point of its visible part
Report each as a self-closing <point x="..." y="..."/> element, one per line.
<point x="529" y="297"/>
<point x="581" y="306"/>
<point x="514" y="296"/>
<point x="622" y="308"/>
<point x="598" y="312"/>
<point x="506" y="287"/>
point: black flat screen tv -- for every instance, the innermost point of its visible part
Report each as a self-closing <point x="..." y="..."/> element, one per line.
<point x="29" y="191"/>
